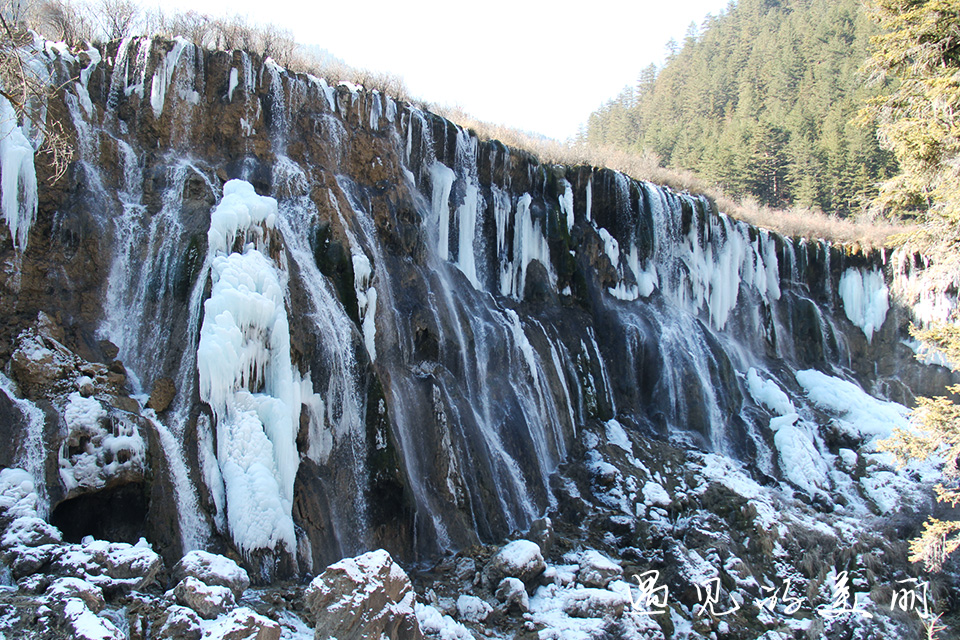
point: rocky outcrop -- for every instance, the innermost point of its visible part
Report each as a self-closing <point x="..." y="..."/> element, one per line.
<point x="363" y="597"/>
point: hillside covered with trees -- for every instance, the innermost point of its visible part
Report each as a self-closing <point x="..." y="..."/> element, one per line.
<point x="761" y="100"/>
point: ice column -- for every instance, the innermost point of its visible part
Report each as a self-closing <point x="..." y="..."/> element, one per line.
<point x="245" y="372"/>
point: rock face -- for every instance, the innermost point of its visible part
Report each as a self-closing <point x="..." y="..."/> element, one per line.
<point x="363" y="597"/>
<point x="360" y="326"/>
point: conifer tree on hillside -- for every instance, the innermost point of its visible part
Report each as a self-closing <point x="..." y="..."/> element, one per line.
<point x="920" y="122"/>
<point x="760" y="101"/>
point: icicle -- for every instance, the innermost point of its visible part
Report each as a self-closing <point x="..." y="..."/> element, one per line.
<point x="865" y="299"/>
<point x="164" y="74"/>
<point x="19" y="177"/>
<point x="442" y="178"/>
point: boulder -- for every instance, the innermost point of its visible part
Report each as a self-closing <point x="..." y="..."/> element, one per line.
<point x="597" y="570"/>
<point x="162" y="395"/>
<point x="30" y="531"/>
<point x="85" y="386"/>
<point x="513" y="594"/>
<point x="126" y="562"/>
<point x="465" y="570"/>
<point x="520" y="559"/>
<point x="541" y="532"/>
<point x="63" y="588"/>
<point x="363" y="597"/>
<point x="212" y="569"/>
<point x="24" y="561"/>
<point x="180" y="623"/>
<point x="209" y="601"/>
<point x="243" y="624"/>
<point x="34" y="366"/>
<point x="473" y="609"/>
<point x="84" y="624"/>
<point x="109" y="565"/>
<point x="109" y="350"/>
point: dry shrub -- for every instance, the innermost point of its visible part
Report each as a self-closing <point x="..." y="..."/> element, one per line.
<point x="336" y="71"/>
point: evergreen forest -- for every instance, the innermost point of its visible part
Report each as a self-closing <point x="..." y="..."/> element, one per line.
<point x="762" y="100"/>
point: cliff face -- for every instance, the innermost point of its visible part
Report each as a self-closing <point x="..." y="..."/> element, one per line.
<point x="406" y="343"/>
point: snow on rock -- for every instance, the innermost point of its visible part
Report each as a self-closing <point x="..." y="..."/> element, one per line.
<point x="519" y="559"/>
<point x="435" y="624"/>
<point x="84" y="623"/>
<point x="113" y="565"/>
<point x="213" y="570"/>
<point x="859" y="414"/>
<point x="769" y="394"/>
<point x="882" y="488"/>
<point x="365" y="597"/>
<point x="99" y="448"/>
<point x="654" y="494"/>
<point x="243" y="622"/>
<point x="513" y="594"/>
<point x="18" y="496"/>
<point x="180" y="623"/>
<point x="594" y="603"/>
<point x="208" y="601"/>
<point x="18" y="177"/>
<point x="597" y="570"/>
<point x="865" y="299"/>
<point x="246" y="374"/>
<point x="28" y="531"/>
<point x="90" y="594"/>
<point x="848" y="458"/>
<point x="37" y="362"/>
<point x="617" y="436"/>
<point x="85" y="386"/>
<point x="472" y="609"/>
<point x="800" y="460"/>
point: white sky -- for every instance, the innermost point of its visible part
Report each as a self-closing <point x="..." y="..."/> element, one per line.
<point x="542" y="67"/>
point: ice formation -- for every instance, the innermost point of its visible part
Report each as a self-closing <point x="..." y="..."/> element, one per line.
<point x="865" y="299"/>
<point x="92" y="455"/>
<point x="164" y="76"/>
<point x="366" y="301"/>
<point x="443" y="177"/>
<point x="18" y="177"/>
<point x="863" y="415"/>
<point x="769" y="394"/>
<point x="245" y="372"/>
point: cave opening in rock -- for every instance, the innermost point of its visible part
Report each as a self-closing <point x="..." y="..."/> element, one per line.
<point x="117" y="514"/>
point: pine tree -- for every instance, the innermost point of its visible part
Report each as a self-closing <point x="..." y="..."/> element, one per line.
<point x="920" y="122"/>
